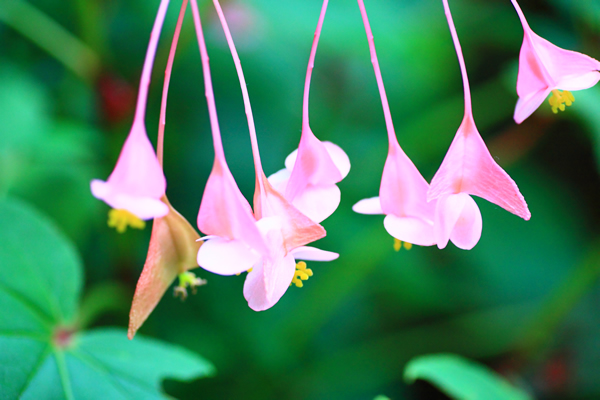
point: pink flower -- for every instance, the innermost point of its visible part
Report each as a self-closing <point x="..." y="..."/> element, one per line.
<point x="545" y="68"/>
<point x="403" y="191"/>
<point x="469" y="169"/>
<point x="137" y="183"/>
<point x="311" y="172"/>
<point x="309" y="178"/>
<point x="264" y="244"/>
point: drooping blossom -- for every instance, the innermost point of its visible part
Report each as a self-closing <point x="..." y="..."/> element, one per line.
<point x="545" y="68"/>
<point x="265" y="244"/>
<point x="137" y="183"/>
<point x="403" y="191"/>
<point x="311" y="172"/>
<point x="469" y="169"/>
<point x="173" y="244"/>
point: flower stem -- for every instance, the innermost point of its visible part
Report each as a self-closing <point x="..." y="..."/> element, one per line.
<point x="140" y="110"/>
<point x="311" y="64"/>
<point x="52" y="37"/>
<point x="163" y="104"/>
<point x="210" y="97"/>
<point x="238" y="66"/>
<point x="461" y="60"/>
<point x="393" y="141"/>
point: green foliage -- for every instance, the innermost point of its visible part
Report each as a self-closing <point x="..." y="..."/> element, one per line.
<point x="462" y="379"/>
<point x="44" y="354"/>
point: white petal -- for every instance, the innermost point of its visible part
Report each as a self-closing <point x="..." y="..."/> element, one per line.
<point x="339" y="157"/>
<point x="409" y="229"/>
<point x="280" y="179"/>
<point x="313" y="254"/>
<point x="226" y="257"/>
<point x="291" y="160"/>
<point x="318" y="202"/>
<point x="371" y="205"/>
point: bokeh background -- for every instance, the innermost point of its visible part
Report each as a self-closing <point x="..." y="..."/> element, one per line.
<point x="524" y="301"/>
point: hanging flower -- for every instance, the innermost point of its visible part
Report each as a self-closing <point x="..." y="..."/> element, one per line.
<point x="469" y="169"/>
<point x="545" y="68"/>
<point x="311" y="172"/>
<point x="403" y="192"/>
<point x="137" y="183"/>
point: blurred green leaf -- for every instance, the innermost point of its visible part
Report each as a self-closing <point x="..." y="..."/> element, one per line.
<point x="42" y="355"/>
<point x="461" y="378"/>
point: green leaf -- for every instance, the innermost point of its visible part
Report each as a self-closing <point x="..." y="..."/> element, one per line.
<point x="42" y="355"/>
<point x="461" y="378"/>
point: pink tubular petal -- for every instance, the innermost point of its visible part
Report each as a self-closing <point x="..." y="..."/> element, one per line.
<point x="411" y="230"/>
<point x="225" y="212"/>
<point x="368" y="206"/>
<point x="226" y="257"/>
<point x="403" y="189"/>
<point x="281" y="275"/>
<point x="457" y="216"/>
<point x="313" y="165"/>
<point x="469" y="168"/>
<point x="313" y="254"/>
<point x="527" y="105"/>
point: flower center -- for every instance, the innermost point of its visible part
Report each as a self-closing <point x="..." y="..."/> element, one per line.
<point x="121" y="219"/>
<point x="398" y="245"/>
<point x="188" y="279"/>
<point x="559" y="99"/>
<point x="302" y="274"/>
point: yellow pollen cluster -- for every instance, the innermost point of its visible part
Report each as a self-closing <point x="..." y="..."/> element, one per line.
<point x="398" y="245"/>
<point x="121" y="219"/>
<point x="559" y="99"/>
<point x="302" y="273"/>
<point x="187" y="279"/>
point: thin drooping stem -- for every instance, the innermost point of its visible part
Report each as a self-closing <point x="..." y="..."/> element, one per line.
<point x="208" y="89"/>
<point x="384" y="101"/>
<point x="461" y="60"/>
<point x="163" y="104"/>
<point x="140" y="109"/>
<point x="520" y="13"/>
<point x="311" y="63"/>
<point x="247" y="107"/>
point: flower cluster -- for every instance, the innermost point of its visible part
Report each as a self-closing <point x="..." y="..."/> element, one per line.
<point x="266" y="239"/>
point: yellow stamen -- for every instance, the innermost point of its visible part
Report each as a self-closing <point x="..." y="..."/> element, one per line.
<point x="187" y="279"/>
<point x="559" y="99"/>
<point x="238" y="274"/>
<point x="398" y="245"/>
<point x="121" y="219"/>
<point x="302" y="274"/>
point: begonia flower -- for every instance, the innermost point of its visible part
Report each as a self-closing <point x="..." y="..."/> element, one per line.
<point x="403" y="191"/>
<point x="469" y="169"/>
<point x="137" y="183"/>
<point x="233" y="245"/>
<point x="545" y="68"/>
<point x="311" y="172"/>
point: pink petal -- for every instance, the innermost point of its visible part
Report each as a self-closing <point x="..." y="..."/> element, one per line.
<point x="339" y="158"/>
<point x="226" y="257"/>
<point x="469" y="168"/>
<point x="409" y="229"/>
<point x="527" y="105"/>
<point x="368" y="206"/>
<point x="313" y="254"/>
<point x="279" y="277"/>
<point x="297" y="229"/>
<point x="280" y="179"/>
<point x="137" y="175"/>
<point x="457" y="217"/>
<point x="578" y="82"/>
<point x="403" y="189"/>
<point x="224" y="211"/>
<point x="318" y="202"/>
<point x="313" y="165"/>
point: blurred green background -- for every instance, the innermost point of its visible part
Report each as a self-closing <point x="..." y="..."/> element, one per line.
<point x="524" y="301"/>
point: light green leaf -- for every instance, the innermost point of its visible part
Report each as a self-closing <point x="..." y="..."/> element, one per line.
<point x="461" y="378"/>
<point x="42" y="354"/>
